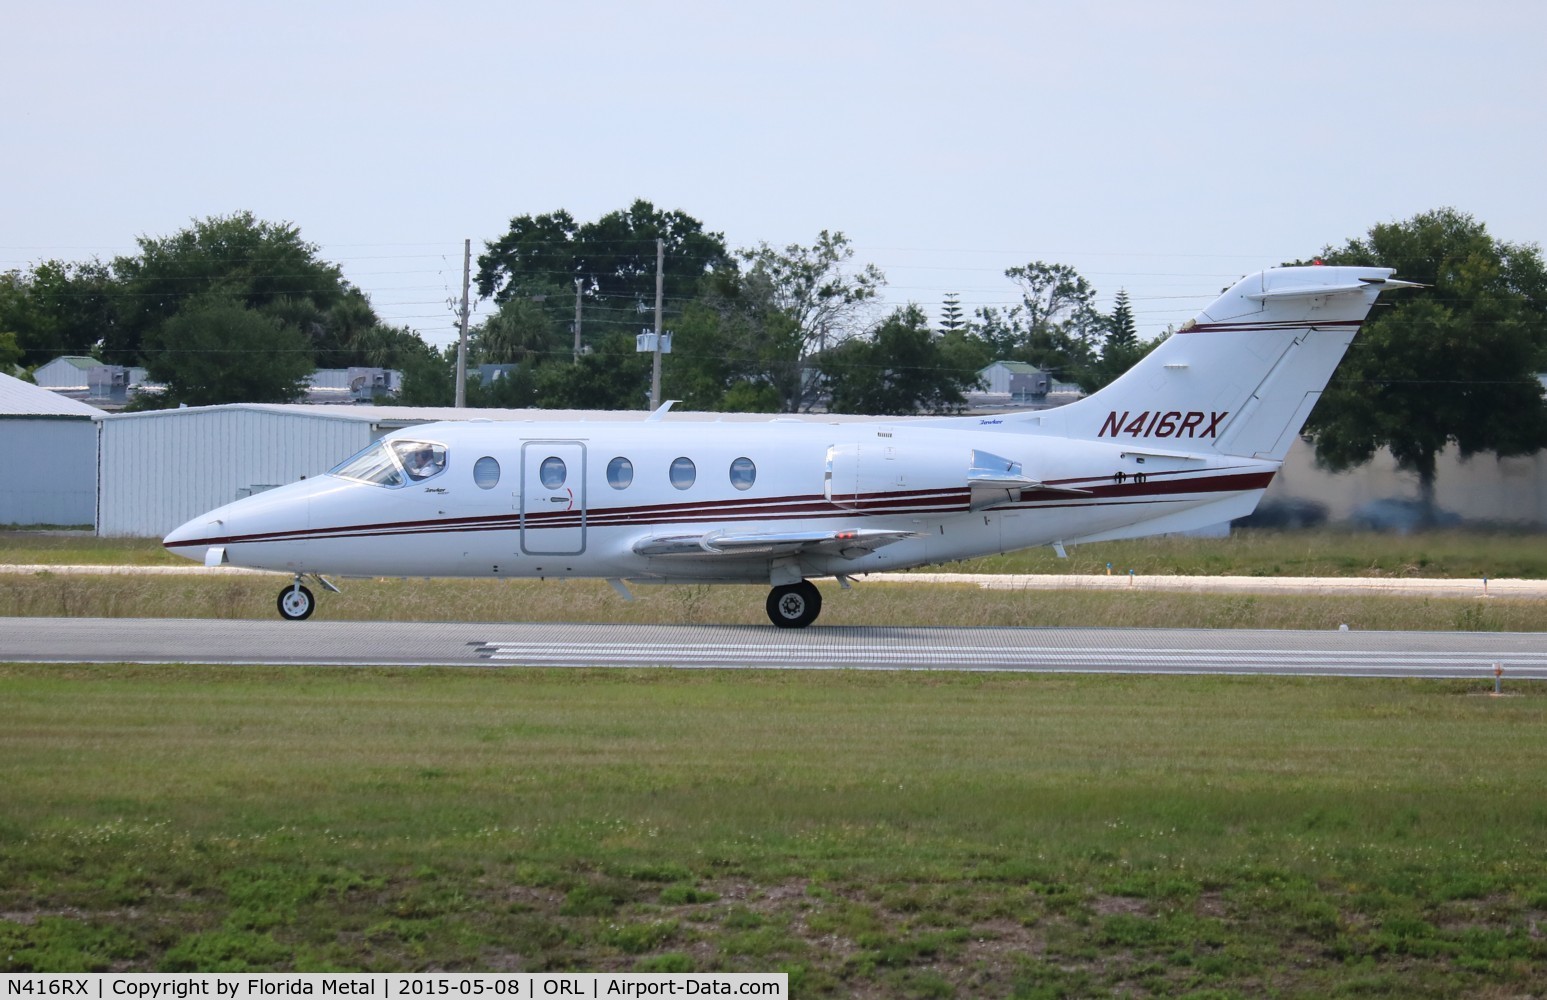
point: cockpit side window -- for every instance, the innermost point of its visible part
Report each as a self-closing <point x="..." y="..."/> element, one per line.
<point x="421" y="459"/>
<point x="375" y="464"/>
<point x="394" y="463"/>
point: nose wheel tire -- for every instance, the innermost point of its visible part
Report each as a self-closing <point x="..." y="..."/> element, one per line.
<point x="794" y="605"/>
<point x="296" y="603"/>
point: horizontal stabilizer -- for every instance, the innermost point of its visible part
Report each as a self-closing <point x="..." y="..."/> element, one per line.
<point x="1319" y="291"/>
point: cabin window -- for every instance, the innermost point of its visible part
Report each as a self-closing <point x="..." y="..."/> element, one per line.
<point x="683" y="473"/>
<point x="486" y="473"/>
<point x="743" y="473"/>
<point x="552" y="472"/>
<point x="620" y="473"/>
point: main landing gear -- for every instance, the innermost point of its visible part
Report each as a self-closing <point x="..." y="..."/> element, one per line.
<point x="296" y="602"/>
<point x="794" y="605"/>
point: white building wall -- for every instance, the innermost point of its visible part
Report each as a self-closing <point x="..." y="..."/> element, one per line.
<point x="60" y="484"/>
<point x="1484" y="488"/>
<point x="161" y="469"/>
<point x="996" y="378"/>
<point x="329" y="378"/>
<point x="60" y="374"/>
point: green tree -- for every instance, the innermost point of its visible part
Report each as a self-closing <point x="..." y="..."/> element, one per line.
<point x="612" y="258"/>
<point x="515" y="390"/>
<point x="814" y="294"/>
<point x="527" y="329"/>
<point x="343" y="331"/>
<point x="751" y="396"/>
<point x="1120" y="350"/>
<point x="732" y="352"/>
<point x="265" y="266"/>
<point x="429" y="377"/>
<point x="1122" y="331"/>
<point x="612" y="377"/>
<point x="951" y="318"/>
<point x="1453" y="363"/>
<point x="383" y="346"/>
<point x="1055" y="326"/>
<point x="59" y="308"/>
<point x="216" y="349"/>
<point x="705" y="361"/>
<point x="10" y="353"/>
<point x="901" y="367"/>
<point x="761" y="342"/>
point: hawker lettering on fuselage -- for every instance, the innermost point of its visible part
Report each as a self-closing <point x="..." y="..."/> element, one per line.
<point x="678" y="498"/>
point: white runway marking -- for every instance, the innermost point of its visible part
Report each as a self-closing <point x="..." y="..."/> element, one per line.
<point x="1103" y="659"/>
<point x="1523" y="656"/>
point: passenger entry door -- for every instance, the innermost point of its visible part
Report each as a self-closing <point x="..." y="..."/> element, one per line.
<point x="553" y="500"/>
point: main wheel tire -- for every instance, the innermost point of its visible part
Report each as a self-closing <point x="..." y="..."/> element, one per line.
<point x="296" y="603"/>
<point x="794" y="605"/>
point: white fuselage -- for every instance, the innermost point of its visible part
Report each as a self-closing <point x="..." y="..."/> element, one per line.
<point x="546" y="500"/>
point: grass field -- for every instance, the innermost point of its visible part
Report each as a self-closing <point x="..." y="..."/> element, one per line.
<point x="872" y="834"/>
<point x="1324" y="552"/>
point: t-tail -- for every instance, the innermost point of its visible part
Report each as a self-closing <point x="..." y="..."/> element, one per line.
<point x="1242" y="376"/>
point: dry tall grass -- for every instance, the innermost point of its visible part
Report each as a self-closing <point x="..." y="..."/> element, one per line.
<point x="868" y="603"/>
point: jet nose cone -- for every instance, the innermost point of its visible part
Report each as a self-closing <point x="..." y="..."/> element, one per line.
<point x="190" y="539"/>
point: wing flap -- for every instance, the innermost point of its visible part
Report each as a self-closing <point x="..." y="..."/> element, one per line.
<point x="850" y="543"/>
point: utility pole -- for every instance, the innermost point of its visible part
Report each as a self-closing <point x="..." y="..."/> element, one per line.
<point x="660" y="286"/>
<point x="467" y="263"/>
<point x="577" y="319"/>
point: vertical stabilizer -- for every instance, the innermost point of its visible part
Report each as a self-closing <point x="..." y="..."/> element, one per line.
<point x="1242" y="376"/>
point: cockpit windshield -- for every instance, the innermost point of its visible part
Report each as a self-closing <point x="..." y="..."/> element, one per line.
<point x="394" y="463"/>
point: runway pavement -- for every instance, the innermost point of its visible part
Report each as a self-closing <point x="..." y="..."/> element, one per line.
<point x="1135" y="651"/>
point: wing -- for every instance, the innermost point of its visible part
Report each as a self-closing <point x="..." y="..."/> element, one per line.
<point x="849" y="543"/>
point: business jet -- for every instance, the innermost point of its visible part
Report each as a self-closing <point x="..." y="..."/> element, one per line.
<point x="1189" y="437"/>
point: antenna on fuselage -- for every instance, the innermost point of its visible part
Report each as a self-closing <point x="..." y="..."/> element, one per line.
<point x="660" y="411"/>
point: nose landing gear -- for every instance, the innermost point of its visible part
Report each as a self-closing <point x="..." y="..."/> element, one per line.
<point x="296" y="602"/>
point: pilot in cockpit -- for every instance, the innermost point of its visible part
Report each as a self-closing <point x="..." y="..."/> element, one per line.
<point x="421" y="463"/>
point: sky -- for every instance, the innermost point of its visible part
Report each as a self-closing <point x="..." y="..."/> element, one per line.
<point x="1165" y="149"/>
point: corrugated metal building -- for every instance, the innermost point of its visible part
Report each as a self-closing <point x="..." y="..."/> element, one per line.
<point x="161" y="467"/>
<point x="68" y="372"/>
<point x="55" y="439"/>
<point x="1017" y="378"/>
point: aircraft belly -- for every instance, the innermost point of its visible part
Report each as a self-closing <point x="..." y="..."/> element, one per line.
<point x="1025" y="527"/>
<point x="974" y="534"/>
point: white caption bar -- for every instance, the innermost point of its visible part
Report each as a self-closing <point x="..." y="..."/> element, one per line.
<point x="394" y="986"/>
